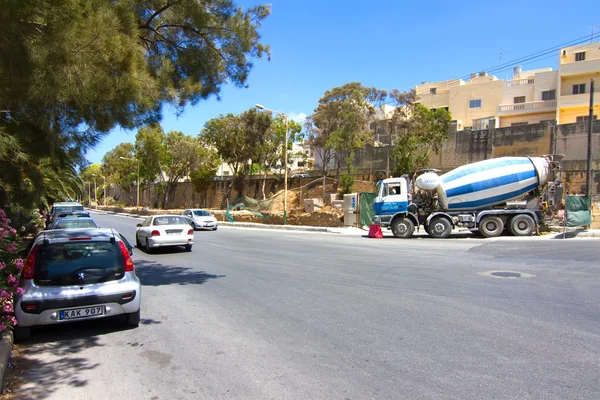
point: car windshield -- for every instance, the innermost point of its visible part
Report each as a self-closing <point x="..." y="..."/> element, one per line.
<point x="201" y="213"/>
<point x="169" y="221"/>
<point x="59" y="209"/>
<point x="75" y="223"/>
<point x="78" y="263"/>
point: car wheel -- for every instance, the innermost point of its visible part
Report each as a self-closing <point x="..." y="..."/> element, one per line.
<point x="133" y="319"/>
<point x="491" y="226"/>
<point x="188" y="247"/>
<point x="21" y="333"/>
<point x="522" y="225"/>
<point x="215" y="228"/>
<point x="138" y="244"/>
<point x="439" y="227"/>
<point x="194" y="227"/>
<point x="403" y="228"/>
<point x="147" y="247"/>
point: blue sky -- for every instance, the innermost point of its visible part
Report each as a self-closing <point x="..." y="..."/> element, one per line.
<point x="317" y="45"/>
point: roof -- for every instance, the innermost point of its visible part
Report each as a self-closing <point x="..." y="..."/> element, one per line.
<point x="65" y="234"/>
<point x="66" y="203"/>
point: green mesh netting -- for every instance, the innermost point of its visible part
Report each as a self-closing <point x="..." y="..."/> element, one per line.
<point x="365" y="206"/>
<point x="577" y="211"/>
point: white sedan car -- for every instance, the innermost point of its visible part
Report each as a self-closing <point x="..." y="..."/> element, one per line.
<point x="164" y="231"/>
<point x="201" y="219"/>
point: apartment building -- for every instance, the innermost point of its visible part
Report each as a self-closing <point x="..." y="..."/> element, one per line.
<point x="528" y="97"/>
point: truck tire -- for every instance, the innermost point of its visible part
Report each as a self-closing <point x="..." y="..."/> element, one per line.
<point x="403" y="228"/>
<point x="522" y="225"/>
<point x="439" y="228"/>
<point x="491" y="226"/>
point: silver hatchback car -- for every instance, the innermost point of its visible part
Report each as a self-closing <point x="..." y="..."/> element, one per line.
<point x="75" y="275"/>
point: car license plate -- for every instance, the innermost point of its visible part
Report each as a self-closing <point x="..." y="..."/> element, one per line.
<point x="81" y="313"/>
<point x="173" y="233"/>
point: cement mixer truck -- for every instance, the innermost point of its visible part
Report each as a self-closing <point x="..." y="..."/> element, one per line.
<point x="488" y="197"/>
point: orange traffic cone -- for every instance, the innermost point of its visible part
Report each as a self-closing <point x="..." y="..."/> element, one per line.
<point x="375" y="231"/>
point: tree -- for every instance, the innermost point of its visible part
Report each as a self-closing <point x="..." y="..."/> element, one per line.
<point x="342" y="117"/>
<point x="121" y="171"/>
<point x="91" y="174"/>
<point x="149" y="151"/>
<point x="75" y="69"/>
<point x="205" y="169"/>
<point x="416" y="132"/>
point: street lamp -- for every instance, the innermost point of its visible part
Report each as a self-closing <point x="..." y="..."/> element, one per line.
<point x="103" y="187"/>
<point x="138" y="177"/>
<point x="285" y="158"/>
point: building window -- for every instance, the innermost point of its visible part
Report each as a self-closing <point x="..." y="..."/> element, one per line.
<point x="579" y="89"/>
<point x="549" y="95"/>
<point x="586" y="118"/>
<point x="518" y="123"/>
<point x="432" y="90"/>
<point x="519" y="99"/>
<point x="475" y="103"/>
<point x="580" y="56"/>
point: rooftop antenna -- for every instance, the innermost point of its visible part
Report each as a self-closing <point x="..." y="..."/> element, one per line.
<point x="593" y="28"/>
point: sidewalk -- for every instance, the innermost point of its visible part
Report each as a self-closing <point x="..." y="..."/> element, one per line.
<point x="556" y="232"/>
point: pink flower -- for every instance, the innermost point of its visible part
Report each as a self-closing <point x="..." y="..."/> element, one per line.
<point x="11" y="280"/>
<point x="4" y="294"/>
<point x="2" y="327"/>
<point x="12" y="320"/>
<point x="19" y="263"/>
<point x="8" y="308"/>
<point x="2" y="265"/>
<point x="12" y="231"/>
<point x="2" y="214"/>
<point x="11" y="248"/>
<point x="19" y="291"/>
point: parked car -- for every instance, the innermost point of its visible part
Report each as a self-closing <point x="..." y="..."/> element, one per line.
<point x="64" y="209"/>
<point x="75" y="275"/>
<point x="164" y="231"/>
<point x="73" y="223"/>
<point x="200" y="219"/>
<point x="300" y="176"/>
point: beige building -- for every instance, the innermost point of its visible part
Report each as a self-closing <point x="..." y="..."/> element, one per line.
<point x="529" y="97"/>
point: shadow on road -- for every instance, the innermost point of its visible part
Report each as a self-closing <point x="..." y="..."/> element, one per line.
<point x="41" y="378"/>
<point x="155" y="274"/>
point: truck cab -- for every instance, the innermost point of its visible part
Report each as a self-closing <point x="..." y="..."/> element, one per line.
<point x="391" y="206"/>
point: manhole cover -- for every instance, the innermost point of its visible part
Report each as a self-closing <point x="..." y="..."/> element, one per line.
<point x="507" y="274"/>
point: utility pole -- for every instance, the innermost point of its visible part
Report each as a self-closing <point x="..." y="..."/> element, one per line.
<point x="588" y="175"/>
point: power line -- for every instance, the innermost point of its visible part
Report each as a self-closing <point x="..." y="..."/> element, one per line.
<point x="508" y="65"/>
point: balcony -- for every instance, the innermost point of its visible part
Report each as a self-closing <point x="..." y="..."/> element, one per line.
<point x="529" y="107"/>
<point x="580" y="67"/>
<point x="519" y="82"/>
<point x="575" y="100"/>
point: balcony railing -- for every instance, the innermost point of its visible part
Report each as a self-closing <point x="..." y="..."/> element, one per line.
<point x="519" y="82"/>
<point x="531" y="106"/>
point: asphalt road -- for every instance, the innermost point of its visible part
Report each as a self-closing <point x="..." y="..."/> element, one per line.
<point x="259" y="314"/>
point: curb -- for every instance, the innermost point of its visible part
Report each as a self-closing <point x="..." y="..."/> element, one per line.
<point x="243" y="224"/>
<point x="577" y="234"/>
<point x="6" y="345"/>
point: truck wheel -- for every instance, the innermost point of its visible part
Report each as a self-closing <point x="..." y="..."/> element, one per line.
<point x="439" y="228"/>
<point x="403" y="228"/>
<point x="522" y="225"/>
<point x="491" y="226"/>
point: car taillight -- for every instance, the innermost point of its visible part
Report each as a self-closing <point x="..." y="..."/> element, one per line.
<point x="191" y="232"/>
<point x="29" y="266"/>
<point x="126" y="258"/>
<point x="155" y="233"/>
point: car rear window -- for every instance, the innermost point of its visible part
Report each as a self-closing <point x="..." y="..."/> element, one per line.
<point x="59" y="209"/>
<point x="78" y="263"/>
<point x="75" y="223"/>
<point x="169" y="221"/>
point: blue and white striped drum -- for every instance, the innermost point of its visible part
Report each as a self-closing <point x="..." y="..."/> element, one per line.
<point x="491" y="182"/>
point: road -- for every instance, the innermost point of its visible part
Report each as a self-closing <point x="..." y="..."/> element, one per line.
<point x="259" y="314"/>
